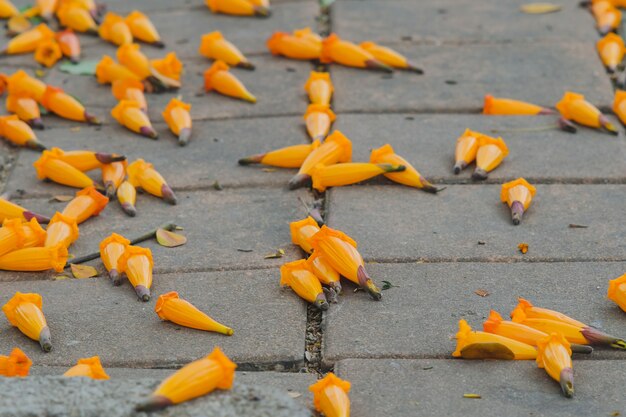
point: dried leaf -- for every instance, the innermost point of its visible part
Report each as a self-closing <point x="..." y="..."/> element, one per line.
<point x="83" y="271"/>
<point x="472" y="396"/>
<point x="87" y="67"/>
<point x="387" y="285"/>
<point x="18" y="24"/>
<point x="294" y="394"/>
<point x="217" y="186"/>
<point x="60" y="277"/>
<point x="40" y="73"/>
<point x="62" y="198"/>
<point x="170" y="239"/>
<point x="481" y="292"/>
<point x="540" y="8"/>
<point x="480" y="242"/>
<point x="577" y="226"/>
<point x="523" y="247"/>
<point x="75" y="129"/>
<point x="278" y="254"/>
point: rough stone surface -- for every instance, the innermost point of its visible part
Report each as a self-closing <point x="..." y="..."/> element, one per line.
<point x="398" y="388"/>
<point x="71" y="397"/>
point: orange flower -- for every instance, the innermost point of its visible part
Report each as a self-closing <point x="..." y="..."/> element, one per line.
<point x="324" y="272"/>
<point x="16" y="364"/>
<point x="237" y="8"/>
<point x="555" y="356"/>
<point x="480" y="345"/>
<point x="339" y="250"/>
<point x="53" y="168"/>
<point x="169" y="66"/>
<point x="14" y="234"/>
<point x="518" y="195"/>
<point x="86" y="160"/>
<point x="319" y="87"/>
<point x="178" y="119"/>
<point x="24" y="312"/>
<point x="130" y="89"/>
<point x="131" y="57"/>
<point x="87" y="203"/>
<point x="28" y="41"/>
<point x="410" y="176"/>
<point x="112" y="176"/>
<point x="19" y="133"/>
<point x="608" y="20"/>
<point x="111" y="249"/>
<point x="574" y="107"/>
<point x="303" y="282"/>
<point x="347" y="53"/>
<point x="336" y="148"/>
<point x="27" y="109"/>
<point x="109" y="71"/>
<point x="114" y="29"/>
<point x="62" y="230"/>
<point x="330" y="396"/>
<point x="218" y="78"/>
<point x="288" y="157"/>
<point x="87" y="367"/>
<point x="338" y="175"/>
<point x="48" y="52"/>
<point x="127" y="196"/>
<point x="390" y="57"/>
<point x="318" y="119"/>
<point x="302" y="231"/>
<point x="46" y="8"/>
<point x="142" y="28"/>
<point x="193" y="380"/>
<point x="136" y="262"/>
<point x="7" y="9"/>
<point x="66" y="106"/>
<point x="75" y="17"/>
<point x="619" y="105"/>
<point x="294" y="46"/>
<point x="617" y="291"/>
<point x="466" y="149"/>
<point x="507" y="107"/>
<point x="142" y="174"/>
<point x="9" y="210"/>
<point x="171" y="308"/>
<point x="490" y="154"/>
<point x="611" y="51"/>
<point x="214" y="46"/>
<point x="70" y="44"/>
<point x="130" y="115"/>
<point x="21" y="83"/>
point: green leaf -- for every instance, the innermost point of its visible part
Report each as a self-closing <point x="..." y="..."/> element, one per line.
<point x="326" y="3"/>
<point x="82" y="68"/>
<point x="387" y="285"/>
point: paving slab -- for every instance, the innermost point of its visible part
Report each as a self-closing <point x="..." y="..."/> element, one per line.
<point x="457" y="77"/>
<point x="398" y="388"/>
<point x="419" y="317"/>
<point x="128" y="333"/>
<point x="428" y="141"/>
<point x="468" y="222"/>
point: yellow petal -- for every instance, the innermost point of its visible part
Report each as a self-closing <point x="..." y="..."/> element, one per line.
<point x="83" y="271"/>
<point x="170" y="239"/>
<point x="540" y="8"/>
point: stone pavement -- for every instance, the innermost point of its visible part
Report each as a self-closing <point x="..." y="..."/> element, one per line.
<point x="436" y="250"/>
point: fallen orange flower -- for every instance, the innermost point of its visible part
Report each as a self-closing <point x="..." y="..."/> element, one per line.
<point x="336" y="148"/>
<point x="518" y="195"/>
<point x="390" y="57"/>
<point x="19" y="133"/>
<point x="86" y="160"/>
<point x="131" y="57"/>
<point x="617" y="291"/>
<point x="87" y="203"/>
<point x="87" y="367"/>
<point x="214" y="46"/>
<point x="318" y="119"/>
<point x="490" y="154"/>
<point x="319" y="87"/>
<point x="109" y="71"/>
<point x="237" y="8"/>
<point x="170" y="307"/>
<point x="330" y="396"/>
<point x="611" y="51"/>
<point x="7" y="9"/>
<point x="495" y="106"/>
<point x="16" y="364"/>
<point x="339" y="250"/>
<point x="142" y="174"/>
<point x="66" y="106"/>
<point x="130" y="89"/>
<point x="112" y="176"/>
<point x="127" y="196"/>
<point x="555" y="356"/>
<point x="77" y="18"/>
<point x="608" y="20"/>
<point x="409" y="177"/>
<point x="142" y="28"/>
<point x="51" y="167"/>
<point x="466" y="149"/>
<point x="218" y="78"/>
<point x="302" y="231"/>
<point x="111" y="249"/>
<point x="62" y="230"/>
<point x="22" y="84"/>
<point x="9" y="210"/>
<point x="114" y="29"/>
<point x="349" y="173"/>
<point x="48" y="52"/>
<point x="619" y="105"/>
<point x="349" y="54"/>
<point x="298" y="276"/>
<point x="195" y="379"/>
<point x="294" y="46"/>
<point x="169" y="66"/>
<point x="324" y="272"/>
<point x="24" y="312"/>
<point x="136" y="262"/>
<point x="130" y="115"/>
<point x="574" y="107"/>
<point x="14" y="234"/>
<point x="46" y="8"/>
<point x="26" y="108"/>
<point x="288" y="157"/>
<point x="472" y="344"/>
<point x="28" y="41"/>
<point x="178" y="119"/>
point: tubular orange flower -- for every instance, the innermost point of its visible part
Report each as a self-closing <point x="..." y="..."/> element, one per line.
<point x="114" y="29"/>
<point x="611" y="51"/>
<point x="19" y="133"/>
<point x="109" y="71"/>
<point x="76" y="18"/>
<point x="48" y="52"/>
<point x="619" y="105"/>
<point x="490" y="154"/>
<point x="319" y="87"/>
<point x="14" y="234"/>
<point x="410" y="176"/>
<point x="293" y="46"/>
<point x="336" y="148"/>
<point x="347" y="53"/>
<point x="21" y="83"/>
<point x="24" y="312"/>
<point x="324" y="272"/>
<point x="66" y="106"/>
<point x="218" y="78"/>
<point x="112" y="176"/>
<point x="28" y="41"/>
<point x="87" y="203"/>
<point x="61" y="230"/>
<point x="518" y="195"/>
<point x="338" y="175"/>
<point x="178" y="119"/>
<point x="390" y="57"/>
<point x="130" y="115"/>
<point x="288" y="157"/>
<point x="555" y="356"/>
<point x="495" y="106"/>
<point x="574" y="107"/>
<point x="132" y="58"/>
<point x="608" y="20"/>
<point x="472" y="344"/>
<point x="617" y="291"/>
<point x="53" y="168"/>
<point x="9" y="210"/>
<point x="339" y="250"/>
<point x="195" y="379"/>
<point x="35" y="259"/>
<point x="87" y="367"/>
<point x="27" y="109"/>
<point x="171" y="308"/>
<point x="7" y="9"/>
<point x="111" y="249"/>
<point x="169" y="66"/>
<point x="214" y="46"/>
<point x="130" y="89"/>
<point x="142" y="174"/>
<point x="46" y="8"/>
<point x="302" y="231"/>
<point x="330" y="396"/>
<point x="136" y="262"/>
<point x="318" y="119"/>
<point x="237" y="8"/>
<point x="70" y="44"/>
<point x="127" y="196"/>
<point x="298" y="276"/>
<point x="16" y="364"/>
<point x="466" y="149"/>
<point x="142" y="28"/>
<point x="86" y="160"/>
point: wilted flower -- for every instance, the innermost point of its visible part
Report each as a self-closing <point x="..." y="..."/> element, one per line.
<point x="465" y="151"/>
<point x="349" y="54"/>
<point x="142" y="28"/>
<point x="390" y="57"/>
<point x="16" y="364"/>
<point x="28" y="41"/>
<point x="298" y="276"/>
<point x="136" y="262"/>
<point x="87" y="203"/>
<point x="111" y="249"/>
<point x="214" y="46"/>
<point x="114" y="29"/>
<point x="574" y="107"/>
<point x="127" y="196"/>
<point x="288" y="157"/>
<point x="52" y="167"/>
<point x="617" y="291"/>
<point x="318" y="119"/>
<point x="109" y="71"/>
<point x="27" y="109"/>
<point x="237" y="8"/>
<point x="490" y="154"/>
<point x="130" y="115"/>
<point x="219" y="78"/>
<point x="130" y="89"/>
<point x="518" y="195"/>
<point x="63" y="105"/>
<point x="348" y="173"/>
<point x="555" y="356"/>
<point x="70" y="44"/>
<point x="19" y="133"/>
<point x="409" y="177"/>
<point x="170" y="307"/>
<point x="142" y="174"/>
<point x="9" y="210"/>
<point x="178" y="119"/>
<point x="472" y="344"/>
<point x="24" y="312"/>
<point x="87" y="367"/>
<point x="495" y="106"/>
<point x="319" y="87"/>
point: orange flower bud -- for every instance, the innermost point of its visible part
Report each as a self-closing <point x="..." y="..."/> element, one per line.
<point x="114" y="29"/>
<point x="611" y="51"/>
<point x="53" y="168"/>
<point x="86" y="160"/>
<point x="466" y="149"/>
<point x="349" y="173"/>
<point x="15" y="234"/>
<point x="472" y="344"/>
<point x="518" y="195"/>
<point x="169" y="66"/>
<point x="66" y="106"/>
<point x="136" y="262"/>
<point x="113" y="175"/>
<point x="324" y="272"/>
<point x="178" y="119"/>
<point x="296" y="46"/>
<point x="70" y="44"/>
<point x="303" y="282"/>
<point x="619" y="105"/>
<point x="27" y="109"/>
<point x="132" y="58"/>
<point x="318" y="119"/>
<point x="48" y="52"/>
<point x="319" y="87"/>
<point x="193" y="380"/>
<point x="87" y="367"/>
<point x="28" y="41"/>
<point x="302" y="231"/>
<point x="142" y="174"/>
<point x="555" y="356"/>
<point x="76" y="18"/>
<point x="336" y="148"/>
<point x="339" y="250"/>
<point x="130" y="115"/>
<point x="608" y="20"/>
<point x="347" y="53"/>
<point x="87" y="203"/>
<point x="330" y="396"/>
<point x="214" y="46"/>
<point x="617" y="291"/>
<point x="10" y="210"/>
<point x="237" y="8"/>
<point x="127" y="196"/>
<point x="61" y="230"/>
<point x="219" y="78"/>
<point x="7" y="9"/>
<point x="19" y="133"/>
<point x="46" y="8"/>
<point x="490" y="154"/>
<point x="17" y="363"/>
<point x="171" y="308"/>
<point x="390" y="57"/>
<point x="111" y="249"/>
<point x="288" y="157"/>
<point x="24" y="312"/>
<point x="21" y="83"/>
<point x="507" y="107"/>
<point x="574" y="107"/>
<point x="410" y="176"/>
<point x="142" y="28"/>
<point x="109" y="71"/>
<point x="130" y="89"/>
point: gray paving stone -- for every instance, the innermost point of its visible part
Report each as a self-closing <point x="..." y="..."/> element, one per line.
<point x="450" y="225"/>
<point x="457" y="77"/>
<point x="398" y="388"/>
<point x="269" y="324"/>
